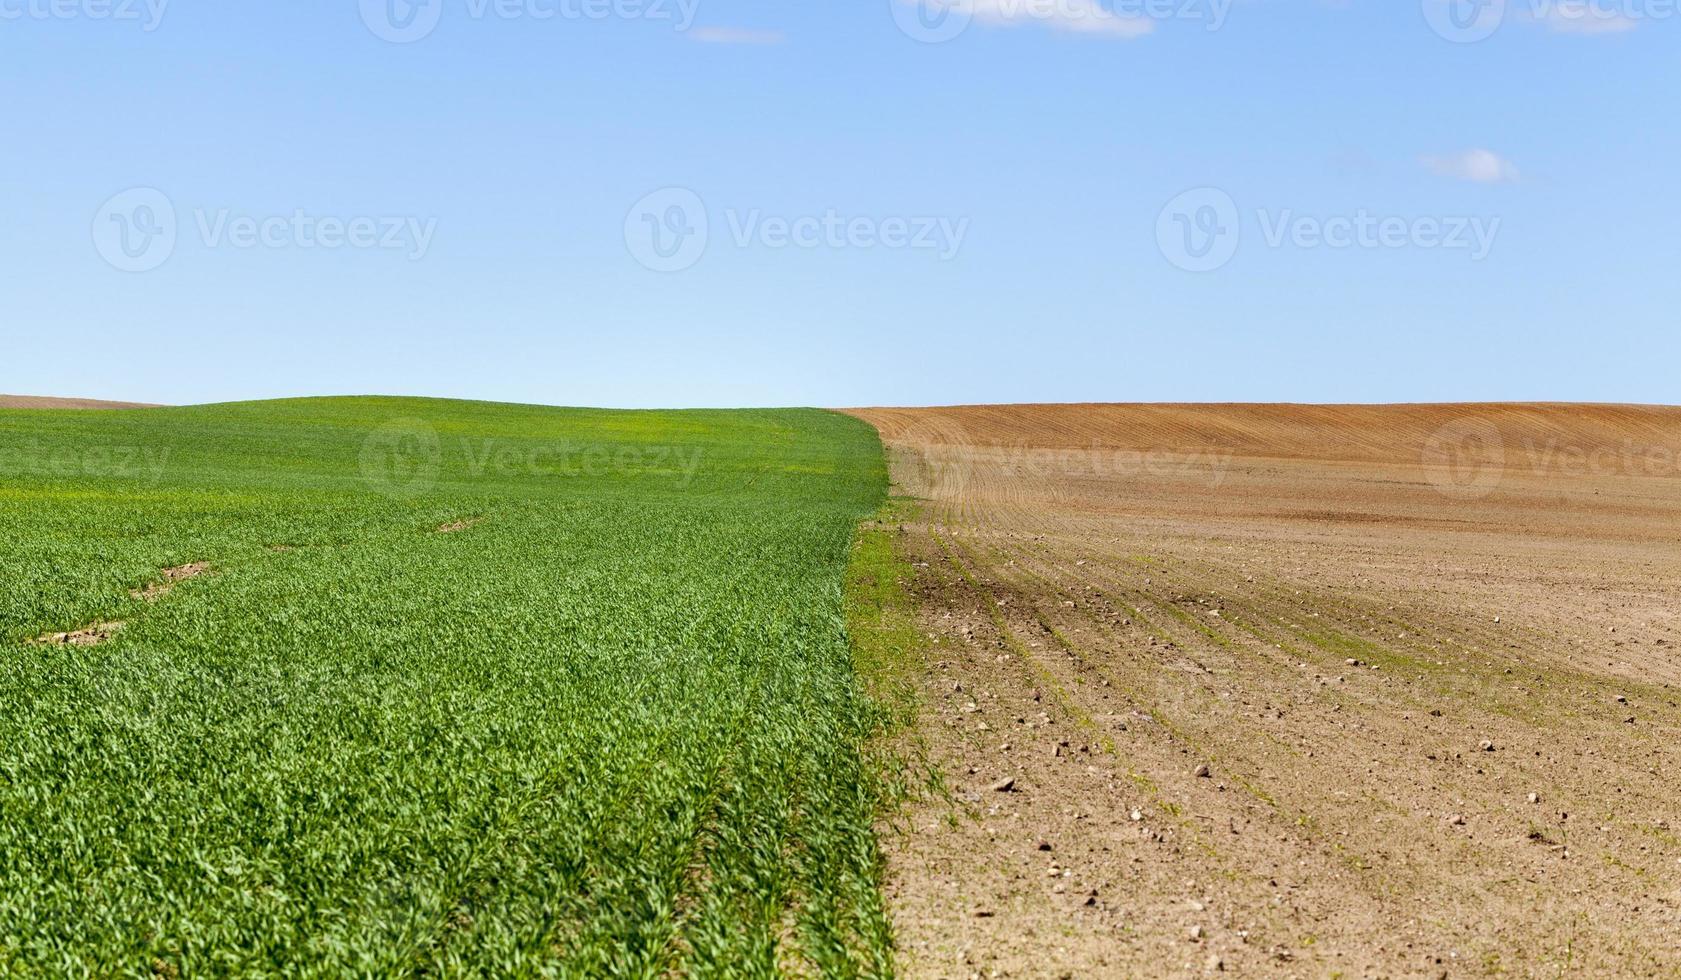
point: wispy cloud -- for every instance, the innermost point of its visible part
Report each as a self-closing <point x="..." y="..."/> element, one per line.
<point x="1087" y="17"/>
<point x="735" y="35"/>
<point x="1477" y="166"/>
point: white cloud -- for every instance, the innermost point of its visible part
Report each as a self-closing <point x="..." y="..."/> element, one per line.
<point x="1088" y="17"/>
<point x="1477" y="166"/>
<point x="735" y="35"/>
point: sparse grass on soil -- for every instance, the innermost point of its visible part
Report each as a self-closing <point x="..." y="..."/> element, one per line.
<point x="607" y="724"/>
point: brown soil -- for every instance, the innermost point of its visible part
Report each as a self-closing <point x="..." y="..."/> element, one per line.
<point x="171" y="578"/>
<point x="85" y="637"/>
<point x="458" y="526"/>
<point x="1427" y="658"/>
<point x="32" y="401"/>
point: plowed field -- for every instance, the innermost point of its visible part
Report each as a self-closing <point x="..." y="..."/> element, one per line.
<point x="1294" y="691"/>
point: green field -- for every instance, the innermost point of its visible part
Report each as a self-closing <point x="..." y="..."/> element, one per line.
<point x="608" y="724"/>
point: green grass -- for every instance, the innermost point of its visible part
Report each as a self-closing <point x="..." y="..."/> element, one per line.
<point x="890" y="655"/>
<point x="612" y="728"/>
<point x="888" y="646"/>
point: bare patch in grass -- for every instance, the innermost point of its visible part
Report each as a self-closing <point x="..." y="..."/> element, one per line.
<point x="87" y="636"/>
<point x="460" y="525"/>
<point x="171" y="578"/>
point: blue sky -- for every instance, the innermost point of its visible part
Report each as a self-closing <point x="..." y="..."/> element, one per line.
<point x="496" y="174"/>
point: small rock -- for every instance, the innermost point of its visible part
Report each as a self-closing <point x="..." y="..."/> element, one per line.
<point x="1201" y="771"/>
<point x="1622" y="699"/>
<point x="1044" y="845"/>
<point x="984" y="913"/>
<point x="1004" y="785"/>
<point x="1455" y="820"/>
<point x="1485" y="746"/>
<point x="1137" y="815"/>
<point x="1194" y="934"/>
<point x="1215" y="963"/>
<point x="1535" y="797"/>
